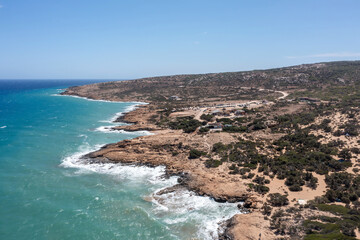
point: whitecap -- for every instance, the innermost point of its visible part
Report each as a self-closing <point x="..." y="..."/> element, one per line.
<point x="3" y="127"/>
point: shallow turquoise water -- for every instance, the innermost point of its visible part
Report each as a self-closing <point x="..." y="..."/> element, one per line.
<point x="48" y="193"/>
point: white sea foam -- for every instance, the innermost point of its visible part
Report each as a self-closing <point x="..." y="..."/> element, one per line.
<point x="183" y="206"/>
<point x="109" y="129"/>
<point x="3" y="126"/>
<point x="175" y="208"/>
<point x="127" y="109"/>
<point x="119" y="170"/>
<point x="133" y="107"/>
<point x="105" y="129"/>
<point x="115" y="117"/>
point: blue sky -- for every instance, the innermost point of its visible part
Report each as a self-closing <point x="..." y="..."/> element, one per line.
<point x="122" y="39"/>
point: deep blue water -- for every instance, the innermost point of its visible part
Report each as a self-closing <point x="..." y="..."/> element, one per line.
<point x="8" y="86"/>
<point x="48" y="192"/>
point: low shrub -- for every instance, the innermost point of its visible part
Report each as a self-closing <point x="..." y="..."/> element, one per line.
<point x="211" y="163"/>
<point x="278" y="200"/>
<point x="194" y="153"/>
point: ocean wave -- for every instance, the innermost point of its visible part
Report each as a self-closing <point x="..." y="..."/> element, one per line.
<point x="109" y="129"/>
<point x="116" y="169"/>
<point x="183" y="206"/>
<point x="133" y="107"/>
<point x="126" y="110"/>
<point x="115" y="117"/>
<point x="3" y="127"/>
<point x="105" y="129"/>
<point x="175" y="208"/>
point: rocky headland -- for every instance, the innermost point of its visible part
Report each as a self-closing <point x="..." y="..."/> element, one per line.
<point x="283" y="147"/>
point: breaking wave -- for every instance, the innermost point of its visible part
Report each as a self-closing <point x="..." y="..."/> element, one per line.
<point x="132" y="172"/>
<point x="176" y="209"/>
<point x="183" y="206"/>
<point x="109" y="129"/>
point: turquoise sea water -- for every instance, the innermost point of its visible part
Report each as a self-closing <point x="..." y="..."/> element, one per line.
<point x="48" y="192"/>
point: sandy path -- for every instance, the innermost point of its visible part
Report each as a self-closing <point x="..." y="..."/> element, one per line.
<point x="199" y="113"/>
<point x="284" y="94"/>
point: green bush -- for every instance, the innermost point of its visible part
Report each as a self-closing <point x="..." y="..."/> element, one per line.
<point x="257" y="124"/>
<point x="211" y="163"/>
<point x="335" y="209"/>
<point x="234" y="129"/>
<point x="187" y="124"/>
<point x="204" y="130"/>
<point x="206" y="117"/>
<point x="219" y="147"/>
<point x="343" y="187"/>
<point x="194" y="153"/>
<point x="259" y="180"/>
<point x="345" y="154"/>
<point x="225" y="120"/>
<point x="352" y="128"/>
<point x="278" y="200"/>
<point x="295" y="188"/>
<point x="262" y="189"/>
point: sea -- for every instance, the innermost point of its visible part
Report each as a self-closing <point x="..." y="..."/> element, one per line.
<point x="47" y="191"/>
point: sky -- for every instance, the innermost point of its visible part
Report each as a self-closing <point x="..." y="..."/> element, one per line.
<point x="126" y="39"/>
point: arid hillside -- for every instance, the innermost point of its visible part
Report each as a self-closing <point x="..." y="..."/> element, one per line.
<point x="226" y="86"/>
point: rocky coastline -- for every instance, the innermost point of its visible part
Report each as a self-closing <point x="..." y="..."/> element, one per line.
<point x="278" y="155"/>
<point x="140" y="151"/>
<point x="151" y="151"/>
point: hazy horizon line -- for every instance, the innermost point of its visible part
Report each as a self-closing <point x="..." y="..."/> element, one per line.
<point x="174" y="74"/>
